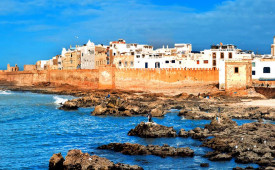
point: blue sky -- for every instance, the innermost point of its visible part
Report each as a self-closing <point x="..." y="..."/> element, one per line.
<point x="32" y="30"/>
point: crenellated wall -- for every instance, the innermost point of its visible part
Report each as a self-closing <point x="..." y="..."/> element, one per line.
<point x="107" y="77"/>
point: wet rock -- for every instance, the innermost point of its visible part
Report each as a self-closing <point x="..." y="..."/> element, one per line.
<point x="189" y="114"/>
<point x="69" y="105"/>
<point x="56" y="162"/>
<point x="152" y="130"/>
<point x="121" y="166"/>
<point x="221" y="157"/>
<point x="75" y="159"/>
<point x="221" y="124"/>
<point x="137" y="149"/>
<point x="204" y="165"/>
<point x="183" y="133"/>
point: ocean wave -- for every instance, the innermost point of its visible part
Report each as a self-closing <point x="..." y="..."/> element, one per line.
<point x="59" y="100"/>
<point x="5" y="92"/>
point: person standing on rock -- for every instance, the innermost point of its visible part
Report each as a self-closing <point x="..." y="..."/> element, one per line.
<point x="149" y="115"/>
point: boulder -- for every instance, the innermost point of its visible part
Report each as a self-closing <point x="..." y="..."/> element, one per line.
<point x="75" y="159"/>
<point x="157" y="112"/>
<point x="152" y="130"/>
<point x="99" y="110"/>
<point x="221" y="157"/>
<point x="56" y="162"/>
<point x="183" y="133"/>
<point x="69" y="105"/>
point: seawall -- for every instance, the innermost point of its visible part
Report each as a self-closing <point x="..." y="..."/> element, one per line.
<point x="113" y="78"/>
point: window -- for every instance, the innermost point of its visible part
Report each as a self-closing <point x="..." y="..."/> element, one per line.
<point x="179" y="62"/>
<point x="132" y="53"/>
<point x="126" y="63"/>
<point x="173" y="61"/>
<point x="82" y="54"/>
<point x="230" y="55"/>
<point x="119" y="63"/>
<point x="236" y="70"/>
<point x="253" y="64"/>
<point x="157" y="65"/>
<point x="266" y="69"/>
<point x="214" y="62"/>
<point x="253" y="72"/>
<point x="214" y="55"/>
<point x="205" y="61"/>
<point x="166" y="61"/>
<point x="146" y="65"/>
<point x="132" y="63"/>
<point x="71" y="61"/>
<point x="198" y="61"/>
<point x="222" y="55"/>
<point x="138" y="56"/>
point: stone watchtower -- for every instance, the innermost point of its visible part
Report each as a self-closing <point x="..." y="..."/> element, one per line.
<point x="273" y="47"/>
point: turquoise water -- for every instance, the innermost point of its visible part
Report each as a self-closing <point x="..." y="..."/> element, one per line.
<point x="32" y="129"/>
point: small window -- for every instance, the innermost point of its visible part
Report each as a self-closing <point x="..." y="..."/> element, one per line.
<point x="214" y="55"/>
<point x="253" y="64"/>
<point x="198" y="61"/>
<point x="205" y="61"/>
<point x="132" y="63"/>
<point x="119" y="63"/>
<point x="230" y="55"/>
<point x="138" y="56"/>
<point x="236" y="70"/>
<point x="253" y="73"/>
<point x="179" y="62"/>
<point x="126" y="63"/>
<point x="166" y="61"/>
<point x="266" y="69"/>
<point x="173" y="61"/>
<point x="222" y="55"/>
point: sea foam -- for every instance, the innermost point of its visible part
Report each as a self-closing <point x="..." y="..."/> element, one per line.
<point x="5" y="92"/>
<point x="58" y="100"/>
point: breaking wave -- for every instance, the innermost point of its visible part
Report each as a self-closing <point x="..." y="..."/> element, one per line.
<point x="5" y="92"/>
<point x="58" y="100"/>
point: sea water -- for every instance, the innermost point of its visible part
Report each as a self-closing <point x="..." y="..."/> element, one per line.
<point x="33" y="129"/>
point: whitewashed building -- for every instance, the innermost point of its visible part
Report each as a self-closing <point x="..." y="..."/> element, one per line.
<point x="263" y="69"/>
<point x="88" y="56"/>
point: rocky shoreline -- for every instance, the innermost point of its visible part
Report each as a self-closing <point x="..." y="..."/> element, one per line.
<point x="249" y="143"/>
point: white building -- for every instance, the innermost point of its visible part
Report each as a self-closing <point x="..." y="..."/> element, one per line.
<point x="88" y="56"/>
<point x="263" y="69"/>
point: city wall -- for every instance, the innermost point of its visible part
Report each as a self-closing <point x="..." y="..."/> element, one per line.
<point x="114" y="78"/>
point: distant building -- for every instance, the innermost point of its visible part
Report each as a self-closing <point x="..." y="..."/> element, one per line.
<point x="12" y="69"/>
<point x="29" y="67"/>
<point x="100" y="56"/>
<point x="72" y="60"/>
<point x="40" y="65"/>
<point x="88" y="56"/>
<point x="263" y="69"/>
<point x="235" y="74"/>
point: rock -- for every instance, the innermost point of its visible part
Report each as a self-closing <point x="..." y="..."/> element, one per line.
<point x="56" y="162"/>
<point x="221" y="157"/>
<point x="69" y="105"/>
<point x="121" y="166"/>
<point x="183" y="133"/>
<point x="75" y="159"/>
<point x="99" y="110"/>
<point x="221" y="125"/>
<point x="157" y="112"/>
<point x="152" y="130"/>
<point x="204" y="165"/>
<point x="137" y="149"/>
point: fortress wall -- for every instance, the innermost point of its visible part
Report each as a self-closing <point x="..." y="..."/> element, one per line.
<point x="113" y="78"/>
